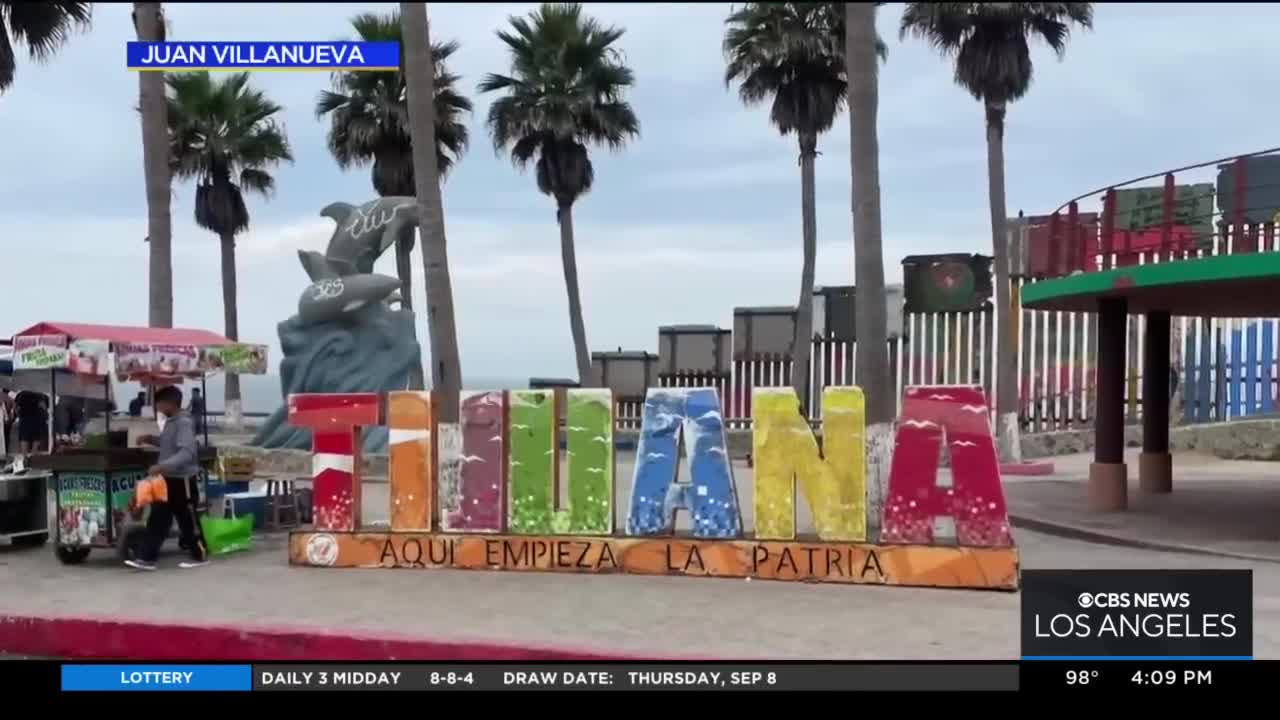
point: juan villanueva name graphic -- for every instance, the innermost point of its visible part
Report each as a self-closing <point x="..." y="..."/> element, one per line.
<point x="210" y="55"/>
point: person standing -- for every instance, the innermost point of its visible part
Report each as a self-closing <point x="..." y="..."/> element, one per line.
<point x="33" y="421"/>
<point x="136" y="405"/>
<point x="196" y="408"/>
<point x="179" y="465"/>
<point x="7" y="416"/>
<point x="68" y="415"/>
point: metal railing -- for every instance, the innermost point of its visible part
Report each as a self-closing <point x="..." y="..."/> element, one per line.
<point x="1129" y="223"/>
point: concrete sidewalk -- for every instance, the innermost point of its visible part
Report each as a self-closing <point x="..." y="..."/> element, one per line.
<point x="1221" y="507"/>
<point x="645" y="616"/>
<point x="619" y="615"/>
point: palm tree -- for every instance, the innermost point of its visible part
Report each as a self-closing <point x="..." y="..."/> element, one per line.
<point x="149" y="22"/>
<point x="43" y="27"/>
<point x="442" y="330"/>
<point x="369" y="123"/>
<point x="990" y="45"/>
<point x="564" y="93"/>
<point x="223" y="134"/>
<point x="793" y="54"/>
<point x="872" y="362"/>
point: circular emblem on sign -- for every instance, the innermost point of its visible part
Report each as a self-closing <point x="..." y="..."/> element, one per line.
<point x="322" y="550"/>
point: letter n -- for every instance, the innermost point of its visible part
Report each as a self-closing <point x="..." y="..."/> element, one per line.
<point x="413" y="485"/>
<point x="710" y="494"/>
<point x="534" y="465"/>
<point x="473" y="498"/>
<point x="959" y="416"/>
<point x="784" y="447"/>
<point x="335" y="421"/>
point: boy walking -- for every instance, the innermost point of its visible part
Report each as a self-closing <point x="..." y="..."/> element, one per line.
<point x="179" y="465"/>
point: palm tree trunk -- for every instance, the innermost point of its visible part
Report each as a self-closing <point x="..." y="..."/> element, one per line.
<point x="442" y="331"/>
<point x="149" y="22"/>
<point x="232" y="414"/>
<point x="404" y="270"/>
<point x="1007" y="439"/>
<point x="586" y="378"/>
<point x="803" y="340"/>
<point x="872" y="359"/>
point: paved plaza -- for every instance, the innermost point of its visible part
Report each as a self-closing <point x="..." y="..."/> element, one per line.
<point x="651" y="616"/>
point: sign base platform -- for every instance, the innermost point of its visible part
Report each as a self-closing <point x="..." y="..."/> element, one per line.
<point x="942" y="566"/>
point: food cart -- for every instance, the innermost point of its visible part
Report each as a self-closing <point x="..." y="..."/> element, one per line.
<point x="94" y="486"/>
<point x="24" y="491"/>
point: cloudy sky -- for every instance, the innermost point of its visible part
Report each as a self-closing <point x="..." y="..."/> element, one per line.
<point x="698" y="216"/>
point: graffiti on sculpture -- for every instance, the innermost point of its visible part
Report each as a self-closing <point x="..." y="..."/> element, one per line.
<point x="346" y="336"/>
<point x="489" y="497"/>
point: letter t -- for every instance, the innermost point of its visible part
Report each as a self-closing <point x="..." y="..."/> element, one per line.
<point x="335" y="421"/>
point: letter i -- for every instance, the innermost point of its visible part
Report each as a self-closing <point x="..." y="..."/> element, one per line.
<point x="409" y="415"/>
<point x="479" y="503"/>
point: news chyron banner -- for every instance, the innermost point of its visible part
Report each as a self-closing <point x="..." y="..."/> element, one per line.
<point x="594" y="677"/>
<point x="328" y="56"/>
<point x="1137" y="615"/>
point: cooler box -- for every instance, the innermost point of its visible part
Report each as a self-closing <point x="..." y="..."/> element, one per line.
<point x="239" y="504"/>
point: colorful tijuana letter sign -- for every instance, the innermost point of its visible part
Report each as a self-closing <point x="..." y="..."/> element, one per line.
<point x="690" y="417"/>
<point x="833" y="479"/>
<point x="534" y="466"/>
<point x="498" y="470"/>
<point x="335" y="421"/>
<point x="412" y="481"/>
<point x="480" y="501"/>
<point x="916" y="507"/>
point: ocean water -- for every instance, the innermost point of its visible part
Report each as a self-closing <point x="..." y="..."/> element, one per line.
<point x="261" y="393"/>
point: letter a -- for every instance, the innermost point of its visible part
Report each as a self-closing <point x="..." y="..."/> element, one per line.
<point x="413" y="481"/>
<point x="960" y="416"/>
<point x="784" y="447"/>
<point x="335" y="421"/>
<point x="710" y="495"/>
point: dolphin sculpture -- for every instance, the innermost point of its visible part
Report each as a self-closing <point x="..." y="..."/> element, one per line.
<point x="362" y="234"/>
<point x="342" y="279"/>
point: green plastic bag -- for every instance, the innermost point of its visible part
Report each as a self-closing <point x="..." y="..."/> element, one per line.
<point x="227" y="535"/>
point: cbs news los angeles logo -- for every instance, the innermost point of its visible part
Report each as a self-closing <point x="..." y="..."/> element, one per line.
<point x="1079" y="613"/>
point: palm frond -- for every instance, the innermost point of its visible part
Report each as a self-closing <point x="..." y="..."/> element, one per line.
<point x="989" y="43"/>
<point x="790" y="55"/>
<point x="257" y="181"/>
<point x="42" y="26"/>
<point x="223" y="133"/>
<point x="565" y="90"/>
<point x="368" y="112"/>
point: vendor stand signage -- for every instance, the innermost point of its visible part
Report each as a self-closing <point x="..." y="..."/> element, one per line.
<point x="39" y="352"/>
<point x="82" y="509"/>
<point x="136" y="361"/>
<point x="122" y="490"/>
<point x="132" y="359"/>
<point x="88" y="357"/>
<point x="175" y="359"/>
<point x="238" y="358"/>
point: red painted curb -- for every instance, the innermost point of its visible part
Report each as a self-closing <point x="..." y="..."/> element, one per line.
<point x="64" y="637"/>
<point x="1027" y="468"/>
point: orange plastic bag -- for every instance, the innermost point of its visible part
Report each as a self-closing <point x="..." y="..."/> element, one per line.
<point x="150" y="489"/>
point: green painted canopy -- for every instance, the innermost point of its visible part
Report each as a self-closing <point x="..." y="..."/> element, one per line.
<point x="1246" y="285"/>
